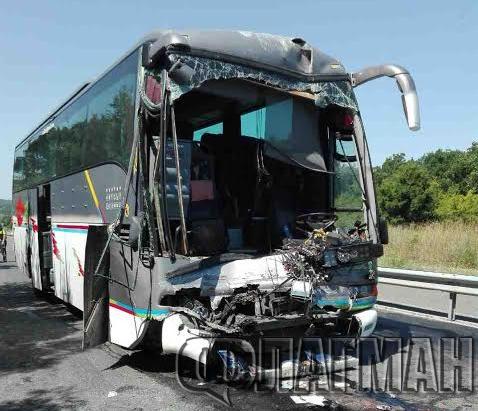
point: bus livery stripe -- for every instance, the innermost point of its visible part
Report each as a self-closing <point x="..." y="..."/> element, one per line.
<point x="137" y="312"/>
<point x="93" y="194"/>
<point x="71" y="228"/>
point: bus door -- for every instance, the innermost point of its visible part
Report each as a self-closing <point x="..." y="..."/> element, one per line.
<point x="44" y="235"/>
<point x="33" y="252"/>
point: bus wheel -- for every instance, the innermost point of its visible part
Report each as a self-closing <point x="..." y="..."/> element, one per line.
<point x="38" y="293"/>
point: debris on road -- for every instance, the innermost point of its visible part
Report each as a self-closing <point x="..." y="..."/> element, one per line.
<point x="313" y="399"/>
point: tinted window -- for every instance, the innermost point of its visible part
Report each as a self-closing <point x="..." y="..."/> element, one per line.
<point x="214" y="129"/>
<point x="67" y="138"/>
<point x="19" y="168"/>
<point x="253" y="123"/>
<point x="273" y="122"/>
<point x="110" y="115"/>
<point x="290" y="126"/>
<point x="96" y="128"/>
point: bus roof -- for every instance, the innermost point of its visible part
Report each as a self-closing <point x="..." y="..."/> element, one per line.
<point x="293" y="56"/>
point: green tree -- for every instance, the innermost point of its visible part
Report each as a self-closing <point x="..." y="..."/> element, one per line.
<point x="449" y="168"/>
<point x="472" y="175"/>
<point x="407" y="194"/>
<point x="389" y="166"/>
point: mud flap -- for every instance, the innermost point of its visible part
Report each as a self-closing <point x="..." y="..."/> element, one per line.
<point x="95" y="290"/>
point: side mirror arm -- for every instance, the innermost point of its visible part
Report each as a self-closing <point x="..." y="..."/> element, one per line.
<point x="405" y="83"/>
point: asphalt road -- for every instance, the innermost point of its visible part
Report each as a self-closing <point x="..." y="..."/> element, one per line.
<point x="42" y="366"/>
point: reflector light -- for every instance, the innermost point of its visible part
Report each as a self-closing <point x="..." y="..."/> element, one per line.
<point x="153" y="89"/>
<point x="348" y="120"/>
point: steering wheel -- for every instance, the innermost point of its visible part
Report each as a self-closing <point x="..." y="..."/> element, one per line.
<point x="323" y="217"/>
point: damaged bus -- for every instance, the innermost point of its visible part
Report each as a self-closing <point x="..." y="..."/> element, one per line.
<point x="209" y="184"/>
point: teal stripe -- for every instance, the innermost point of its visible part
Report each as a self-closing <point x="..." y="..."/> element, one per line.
<point x="359" y="302"/>
<point x="142" y="311"/>
<point x="365" y="301"/>
<point x="71" y="230"/>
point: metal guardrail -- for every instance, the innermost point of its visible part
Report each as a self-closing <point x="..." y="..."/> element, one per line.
<point x="453" y="284"/>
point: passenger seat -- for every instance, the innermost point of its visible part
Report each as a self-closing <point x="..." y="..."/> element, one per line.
<point x="207" y="230"/>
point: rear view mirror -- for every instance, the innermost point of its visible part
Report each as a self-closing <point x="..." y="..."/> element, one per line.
<point x="405" y="83"/>
<point x="181" y="73"/>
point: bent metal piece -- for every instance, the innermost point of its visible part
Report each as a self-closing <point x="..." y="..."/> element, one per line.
<point x="179" y="180"/>
<point x="405" y="83"/>
<point x="180" y="336"/>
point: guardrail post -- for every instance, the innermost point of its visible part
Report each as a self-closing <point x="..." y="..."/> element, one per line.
<point x="452" y="307"/>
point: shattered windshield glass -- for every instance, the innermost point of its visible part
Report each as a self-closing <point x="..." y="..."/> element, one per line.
<point x="325" y="93"/>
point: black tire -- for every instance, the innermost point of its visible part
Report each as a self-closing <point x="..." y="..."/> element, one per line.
<point x="38" y="293"/>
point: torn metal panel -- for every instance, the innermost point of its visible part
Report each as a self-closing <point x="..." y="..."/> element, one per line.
<point x="266" y="272"/>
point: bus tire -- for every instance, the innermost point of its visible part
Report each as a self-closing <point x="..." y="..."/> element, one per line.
<point x="38" y="293"/>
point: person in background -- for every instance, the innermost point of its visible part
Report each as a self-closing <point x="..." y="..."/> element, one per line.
<point x="3" y="242"/>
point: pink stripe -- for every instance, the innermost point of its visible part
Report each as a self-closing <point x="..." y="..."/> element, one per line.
<point x="103" y="216"/>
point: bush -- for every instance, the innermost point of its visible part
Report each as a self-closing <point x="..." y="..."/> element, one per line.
<point x="5" y="220"/>
<point x="458" y="207"/>
<point x="407" y="195"/>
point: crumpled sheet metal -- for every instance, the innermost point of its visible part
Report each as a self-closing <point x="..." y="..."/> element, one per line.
<point x="266" y="272"/>
<point x="326" y="93"/>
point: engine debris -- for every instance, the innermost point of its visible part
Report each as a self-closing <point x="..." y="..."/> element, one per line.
<point x="309" y="259"/>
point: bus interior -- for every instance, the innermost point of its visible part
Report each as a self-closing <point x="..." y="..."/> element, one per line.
<point x="256" y="166"/>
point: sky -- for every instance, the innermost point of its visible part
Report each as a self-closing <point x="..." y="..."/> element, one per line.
<point x="48" y="48"/>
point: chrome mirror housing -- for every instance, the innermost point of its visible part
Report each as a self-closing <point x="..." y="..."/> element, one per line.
<point x="405" y="83"/>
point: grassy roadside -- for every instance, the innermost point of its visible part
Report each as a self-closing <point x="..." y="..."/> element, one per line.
<point x="450" y="247"/>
